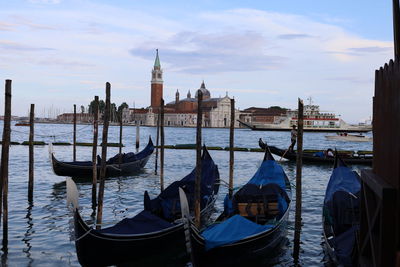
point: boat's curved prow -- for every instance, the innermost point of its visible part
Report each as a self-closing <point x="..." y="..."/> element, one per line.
<point x="72" y="194"/>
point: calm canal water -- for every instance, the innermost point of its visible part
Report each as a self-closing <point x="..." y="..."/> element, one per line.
<point x="40" y="235"/>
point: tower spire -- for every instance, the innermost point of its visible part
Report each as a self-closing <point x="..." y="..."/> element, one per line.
<point x="157" y="64"/>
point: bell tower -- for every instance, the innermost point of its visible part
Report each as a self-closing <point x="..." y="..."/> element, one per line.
<point x="156" y="84"/>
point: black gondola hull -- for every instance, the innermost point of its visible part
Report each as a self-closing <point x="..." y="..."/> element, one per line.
<point x="112" y="170"/>
<point x="94" y="249"/>
<point x="310" y="158"/>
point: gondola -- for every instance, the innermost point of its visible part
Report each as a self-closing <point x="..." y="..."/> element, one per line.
<point x="341" y="215"/>
<point x="253" y="223"/>
<point x="319" y="156"/>
<point x="130" y="163"/>
<point x="156" y="232"/>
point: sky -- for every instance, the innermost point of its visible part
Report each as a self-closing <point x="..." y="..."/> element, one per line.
<point x="263" y="53"/>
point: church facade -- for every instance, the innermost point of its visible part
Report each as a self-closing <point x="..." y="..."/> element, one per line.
<point x="183" y="112"/>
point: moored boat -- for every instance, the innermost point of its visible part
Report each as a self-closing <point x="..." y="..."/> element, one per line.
<point x="341" y="215"/>
<point x="130" y="163"/>
<point x="154" y="232"/>
<point x="314" y="121"/>
<point x="349" y="137"/>
<point x="320" y="156"/>
<point x="253" y="223"/>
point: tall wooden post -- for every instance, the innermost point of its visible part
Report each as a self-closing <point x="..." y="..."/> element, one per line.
<point x="31" y="153"/>
<point x="158" y="134"/>
<point x="162" y="145"/>
<point x="137" y="137"/>
<point x="297" y="224"/>
<point x="396" y="28"/>
<point x="231" y="150"/>
<point x="197" y="192"/>
<point x="4" y="161"/>
<point x="74" y="141"/>
<point x="120" y="139"/>
<point x="94" y="150"/>
<point x="103" y="157"/>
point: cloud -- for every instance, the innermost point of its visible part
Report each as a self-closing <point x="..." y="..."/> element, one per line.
<point x="8" y="45"/>
<point x="196" y="53"/>
<point x="352" y="79"/>
<point x="294" y="36"/>
<point x="51" y="2"/>
<point x="370" y="49"/>
<point x="4" y="26"/>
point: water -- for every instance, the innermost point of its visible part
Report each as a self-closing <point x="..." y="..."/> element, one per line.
<point x="40" y="235"/>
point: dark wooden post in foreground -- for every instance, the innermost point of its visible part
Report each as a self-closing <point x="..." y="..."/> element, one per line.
<point x="396" y="28"/>
<point x="4" y="161"/>
<point x="297" y="223"/>
<point x="103" y="157"/>
<point x="197" y="183"/>
<point x="231" y="144"/>
<point x="162" y="145"/>
<point x="74" y="141"/>
<point x="31" y="152"/>
<point x="137" y="136"/>
<point x="94" y="151"/>
<point x="120" y="138"/>
<point x="158" y="134"/>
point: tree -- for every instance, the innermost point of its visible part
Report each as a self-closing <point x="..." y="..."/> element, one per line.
<point x="82" y="109"/>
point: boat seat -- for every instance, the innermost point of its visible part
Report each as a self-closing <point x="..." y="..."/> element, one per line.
<point x="260" y="212"/>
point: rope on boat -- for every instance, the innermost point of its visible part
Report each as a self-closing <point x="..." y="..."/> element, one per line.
<point x="85" y="234"/>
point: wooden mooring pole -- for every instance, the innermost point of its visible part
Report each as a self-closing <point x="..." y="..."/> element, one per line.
<point x="74" y="137"/>
<point x="158" y="134"/>
<point x="4" y="162"/>
<point x="231" y="144"/>
<point x="297" y="224"/>
<point x="197" y="183"/>
<point x="103" y="157"/>
<point x="31" y="152"/>
<point x="137" y="136"/>
<point x="120" y="138"/>
<point x="94" y="151"/>
<point x="396" y="28"/>
<point x="162" y="145"/>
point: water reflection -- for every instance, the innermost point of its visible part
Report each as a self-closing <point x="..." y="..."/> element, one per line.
<point x="28" y="234"/>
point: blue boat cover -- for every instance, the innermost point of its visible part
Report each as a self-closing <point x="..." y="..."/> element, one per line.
<point x="341" y="211"/>
<point x="342" y="179"/>
<point x="167" y="204"/>
<point x="231" y="230"/>
<point x="269" y="181"/>
<point x="344" y="245"/>
<point x="270" y="172"/>
<point x="144" y="222"/>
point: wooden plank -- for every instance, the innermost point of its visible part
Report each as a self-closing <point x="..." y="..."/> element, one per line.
<point x="197" y="193"/>
<point x="94" y="151"/>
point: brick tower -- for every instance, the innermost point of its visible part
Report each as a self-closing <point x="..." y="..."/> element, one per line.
<point x="156" y="84"/>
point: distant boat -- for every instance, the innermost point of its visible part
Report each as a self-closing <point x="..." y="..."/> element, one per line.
<point x="349" y="137"/>
<point x="22" y="123"/>
<point x="314" y="121"/>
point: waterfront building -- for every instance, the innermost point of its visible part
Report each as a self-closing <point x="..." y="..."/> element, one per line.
<point x="183" y="112"/>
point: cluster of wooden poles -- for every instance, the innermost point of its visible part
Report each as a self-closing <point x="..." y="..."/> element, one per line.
<point x="97" y="197"/>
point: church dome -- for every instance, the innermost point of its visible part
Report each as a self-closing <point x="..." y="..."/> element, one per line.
<point x="203" y="89"/>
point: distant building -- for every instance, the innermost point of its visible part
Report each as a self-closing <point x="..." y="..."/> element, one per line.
<point x="183" y="112"/>
<point x="80" y="117"/>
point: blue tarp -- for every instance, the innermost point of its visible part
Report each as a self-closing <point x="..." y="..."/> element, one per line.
<point x="270" y="172"/>
<point x="167" y="204"/>
<point x="231" y="230"/>
<point x="144" y="222"/>
<point x="268" y="184"/>
<point x="342" y="179"/>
